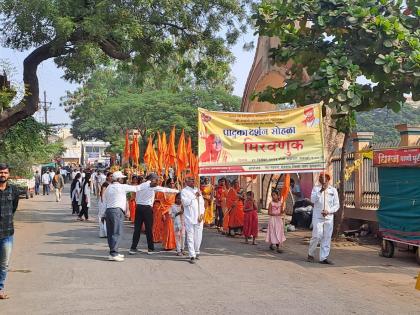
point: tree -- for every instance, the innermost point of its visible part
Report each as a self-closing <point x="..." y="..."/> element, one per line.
<point x="104" y="108"/>
<point x="353" y="55"/>
<point x="82" y="35"/>
<point x="23" y="145"/>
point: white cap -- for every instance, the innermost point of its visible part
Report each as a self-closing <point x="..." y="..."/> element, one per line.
<point x="118" y="175"/>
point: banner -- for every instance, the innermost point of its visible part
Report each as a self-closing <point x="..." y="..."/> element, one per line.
<point x="397" y="157"/>
<point x="256" y="143"/>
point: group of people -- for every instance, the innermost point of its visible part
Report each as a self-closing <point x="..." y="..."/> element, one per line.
<point x="50" y="179"/>
<point x="166" y="214"/>
<point x="172" y="215"/>
<point x="236" y="213"/>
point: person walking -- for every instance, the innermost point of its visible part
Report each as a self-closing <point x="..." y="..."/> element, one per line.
<point x="177" y="213"/>
<point x="193" y="204"/>
<point x="75" y="193"/>
<point x="101" y="211"/>
<point x="85" y="198"/>
<point x="9" y="199"/>
<point x="115" y="202"/>
<point x="37" y="182"/>
<point x="250" y="218"/>
<point x="326" y="203"/>
<point x="144" y="213"/>
<point x="46" y="182"/>
<point x="58" y="184"/>
<point x="275" y="230"/>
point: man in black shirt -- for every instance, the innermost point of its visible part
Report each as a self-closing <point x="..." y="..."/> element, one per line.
<point x="9" y="199"/>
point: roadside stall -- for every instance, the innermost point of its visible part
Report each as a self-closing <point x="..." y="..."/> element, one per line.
<point x="399" y="209"/>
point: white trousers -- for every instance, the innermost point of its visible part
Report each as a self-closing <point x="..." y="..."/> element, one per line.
<point x="102" y="228"/>
<point x="180" y="240"/>
<point x="57" y="194"/>
<point x="194" y="237"/>
<point x="321" y="233"/>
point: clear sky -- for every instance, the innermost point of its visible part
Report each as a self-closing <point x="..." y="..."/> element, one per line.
<point x="50" y="77"/>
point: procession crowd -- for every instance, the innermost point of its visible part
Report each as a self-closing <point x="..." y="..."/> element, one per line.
<point x="168" y="210"/>
<point x="173" y="214"/>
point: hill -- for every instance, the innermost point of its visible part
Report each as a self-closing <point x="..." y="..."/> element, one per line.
<point x="382" y="121"/>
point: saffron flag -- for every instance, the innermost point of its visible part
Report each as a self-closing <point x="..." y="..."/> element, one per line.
<point x="135" y="154"/>
<point x="285" y="189"/>
<point x="171" y="153"/>
<point x="147" y="154"/>
<point x="126" y="155"/>
<point x="182" y="159"/>
<point x="160" y="155"/>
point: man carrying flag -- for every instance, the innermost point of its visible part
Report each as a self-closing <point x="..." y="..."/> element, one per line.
<point x="193" y="204"/>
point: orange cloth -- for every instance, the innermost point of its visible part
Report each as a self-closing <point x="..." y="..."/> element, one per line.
<point x="168" y="235"/>
<point x="236" y="215"/>
<point x="157" y="217"/>
<point x="132" y="205"/>
<point x="207" y="191"/>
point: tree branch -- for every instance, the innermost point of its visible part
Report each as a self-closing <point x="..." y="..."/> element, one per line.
<point x="111" y="48"/>
<point x="29" y="105"/>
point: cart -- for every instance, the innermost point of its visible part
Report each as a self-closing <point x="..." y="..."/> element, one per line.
<point x="399" y="208"/>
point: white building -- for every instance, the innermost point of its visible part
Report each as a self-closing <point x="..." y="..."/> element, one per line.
<point x="93" y="152"/>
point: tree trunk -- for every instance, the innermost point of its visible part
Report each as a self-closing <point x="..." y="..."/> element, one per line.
<point x="339" y="217"/>
<point x="29" y="105"/>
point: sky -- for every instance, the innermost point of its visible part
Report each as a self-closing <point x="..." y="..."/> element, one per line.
<point x="50" y="77"/>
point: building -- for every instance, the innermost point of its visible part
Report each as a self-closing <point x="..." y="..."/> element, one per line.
<point x="72" y="155"/>
<point x="93" y="153"/>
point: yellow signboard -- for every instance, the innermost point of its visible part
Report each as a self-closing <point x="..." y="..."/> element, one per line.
<point x="256" y="143"/>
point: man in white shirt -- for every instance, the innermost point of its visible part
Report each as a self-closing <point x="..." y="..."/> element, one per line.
<point x="144" y="212"/>
<point x="326" y="203"/>
<point x="115" y="202"/>
<point x="193" y="204"/>
<point x="46" y="181"/>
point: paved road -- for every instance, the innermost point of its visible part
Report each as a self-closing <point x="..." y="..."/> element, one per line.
<point x="59" y="267"/>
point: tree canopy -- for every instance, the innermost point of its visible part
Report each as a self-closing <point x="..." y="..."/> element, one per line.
<point x="82" y="35"/>
<point x="339" y="48"/>
<point x="23" y="146"/>
<point x="106" y="106"/>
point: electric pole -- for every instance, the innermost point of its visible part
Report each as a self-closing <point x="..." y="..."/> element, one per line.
<point x="46" y="107"/>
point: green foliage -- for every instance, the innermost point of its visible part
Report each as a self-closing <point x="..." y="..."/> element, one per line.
<point x="23" y="146"/>
<point x="87" y="34"/>
<point x="107" y="105"/>
<point x="334" y="43"/>
<point x="382" y="122"/>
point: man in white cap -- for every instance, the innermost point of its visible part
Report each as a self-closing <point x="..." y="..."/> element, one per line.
<point x="115" y="202"/>
<point x="193" y="203"/>
<point x="326" y="203"/>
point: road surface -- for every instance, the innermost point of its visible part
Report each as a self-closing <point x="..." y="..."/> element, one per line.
<point x="59" y="267"/>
